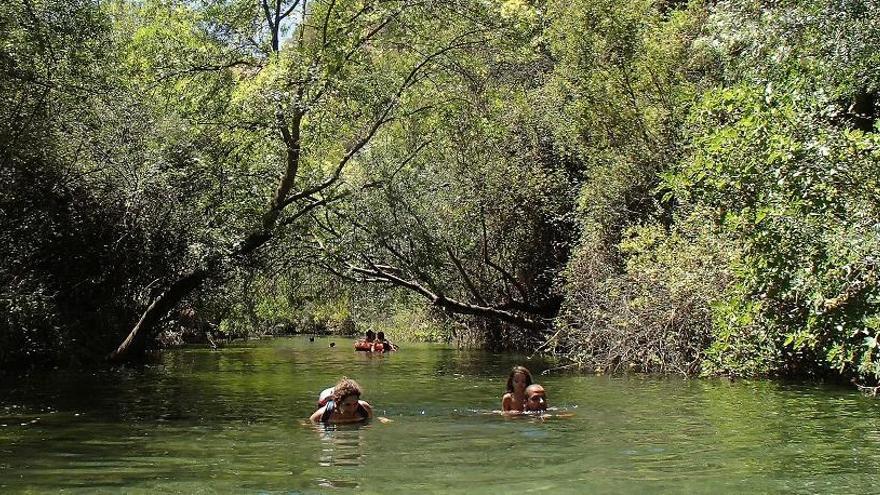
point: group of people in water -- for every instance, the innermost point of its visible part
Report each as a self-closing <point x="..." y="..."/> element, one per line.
<point x="522" y="394"/>
<point x="375" y="342"/>
<point x="342" y="403"/>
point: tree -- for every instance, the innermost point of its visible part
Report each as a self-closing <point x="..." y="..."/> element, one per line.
<point x="306" y="87"/>
<point x="789" y="171"/>
<point x="70" y="256"/>
<point x="468" y="205"/>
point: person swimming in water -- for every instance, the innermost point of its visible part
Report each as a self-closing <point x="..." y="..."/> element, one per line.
<point x="387" y="345"/>
<point x="536" y="399"/>
<point x="514" y="400"/>
<point x="344" y="405"/>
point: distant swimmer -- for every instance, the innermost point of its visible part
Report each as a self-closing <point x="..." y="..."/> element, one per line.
<point x="368" y="343"/>
<point x="387" y="345"/>
<point x="332" y="344"/>
<point x="514" y="400"/>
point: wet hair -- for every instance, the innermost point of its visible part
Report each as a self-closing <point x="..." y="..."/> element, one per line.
<point x="380" y="335"/>
<point x="513" y="372"/>
<point x="370" y="335"/>
<point x="344" y="388"/>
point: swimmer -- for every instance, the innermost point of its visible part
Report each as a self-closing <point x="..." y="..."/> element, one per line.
<point x="387" y="345"/>
<point x="536" y="405"/>
<point x="514" y="400"/>
<point x="344" y="405"/>
<point x="536" y="399"/>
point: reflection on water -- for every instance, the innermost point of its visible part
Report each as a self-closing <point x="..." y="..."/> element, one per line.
<point x="341" y="445"/>
<point x="233" y="421"/>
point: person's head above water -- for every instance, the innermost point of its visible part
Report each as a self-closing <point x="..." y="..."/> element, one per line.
<point x="344" y="405"/>
<point x="346" y="395"/>
<point x="344" y="388"/>
<point x="519" y="379"/>
<point x="370" y="335"/>
<point x="380" y="336"/>
<point x="536" y="398"/>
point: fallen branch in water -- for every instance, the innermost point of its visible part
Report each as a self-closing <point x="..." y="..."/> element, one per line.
<point x="866" y="389"/>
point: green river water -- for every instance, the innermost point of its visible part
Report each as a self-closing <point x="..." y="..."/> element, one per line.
<point x="233" y="421"/>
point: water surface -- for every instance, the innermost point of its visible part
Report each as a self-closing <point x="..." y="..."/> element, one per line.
<point x="203" y="421"/>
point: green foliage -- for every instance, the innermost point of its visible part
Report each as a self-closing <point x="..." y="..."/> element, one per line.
<point x="75" y="259"/>
<point x="742" y="343"/>
<point x="470" y="196"/>
<point x="786" y="174"/>
<point x="657" y="315"/>
<point x="640" y="286"/>
<point x="770" y="139"/>
<point x="623" y="78"/>
<point x="698" y="181"/>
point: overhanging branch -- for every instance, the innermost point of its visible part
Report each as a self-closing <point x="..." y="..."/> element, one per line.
<point x="451" y="305"/>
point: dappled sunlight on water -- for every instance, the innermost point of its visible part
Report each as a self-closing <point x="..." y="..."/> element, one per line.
<point x="234" y="420"/>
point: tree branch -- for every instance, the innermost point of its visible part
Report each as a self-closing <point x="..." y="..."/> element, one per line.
<point x="288" y="11"/>
<point x="448" y="304"/>
<point x="519" y="287"/>
<point x="467" y="279"/>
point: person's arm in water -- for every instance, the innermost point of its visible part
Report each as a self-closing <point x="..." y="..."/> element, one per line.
<point x="367" y="407"/>
<point x="316" y="416"/>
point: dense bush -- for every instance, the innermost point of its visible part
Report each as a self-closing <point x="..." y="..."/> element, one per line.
<point x="657" y="313"/>
<point x="785" y="154"/>
<point x="773" y="200"/>
<point x="86" y="226"/>
<point x="800" y="194"/>
<point x="75" y="267"/>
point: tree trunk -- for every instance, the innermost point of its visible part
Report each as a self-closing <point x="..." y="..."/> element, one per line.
<point x="135" y="343"/>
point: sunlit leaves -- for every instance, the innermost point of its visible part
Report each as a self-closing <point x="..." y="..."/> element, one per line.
<point x="792" y="179"/>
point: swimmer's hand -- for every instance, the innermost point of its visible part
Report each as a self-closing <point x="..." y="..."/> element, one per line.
<point x="383" y="419"/>
<point x="545" y="415"/>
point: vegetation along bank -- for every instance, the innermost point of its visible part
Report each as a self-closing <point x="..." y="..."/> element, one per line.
<point x="685" y="187"/>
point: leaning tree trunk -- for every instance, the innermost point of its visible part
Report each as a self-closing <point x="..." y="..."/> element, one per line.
<point x="135" y="343"/>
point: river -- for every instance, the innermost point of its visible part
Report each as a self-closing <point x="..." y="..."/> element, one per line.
<point x="233" y="421"/>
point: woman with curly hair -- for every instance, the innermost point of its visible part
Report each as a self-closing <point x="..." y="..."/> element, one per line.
<point x="344" y="405"/>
